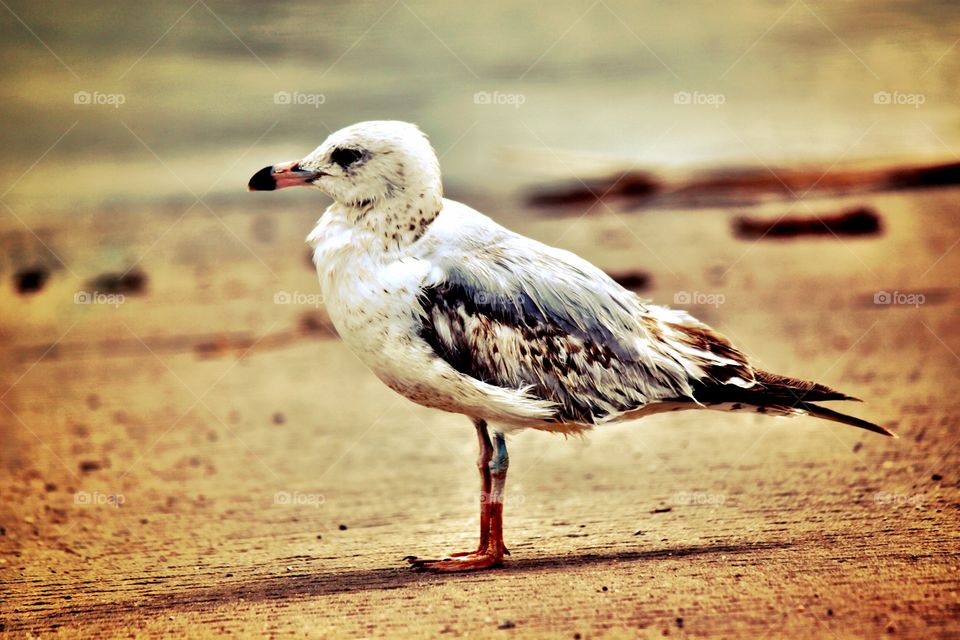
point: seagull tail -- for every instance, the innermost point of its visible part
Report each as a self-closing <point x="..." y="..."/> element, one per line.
<point x="836" y="416"/>
<point x="774" y="394"/>
<point x="777" y="387"/>
<point x="799" y="395"/>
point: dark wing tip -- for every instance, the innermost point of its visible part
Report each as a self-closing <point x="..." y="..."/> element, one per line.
<point x="829" y="414"/>
<point x="785" y="387"/>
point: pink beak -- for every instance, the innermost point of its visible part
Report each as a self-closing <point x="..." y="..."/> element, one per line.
<point x="280" y="176"/>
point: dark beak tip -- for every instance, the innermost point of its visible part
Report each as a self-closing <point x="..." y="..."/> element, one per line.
<point x="262" y="180"/>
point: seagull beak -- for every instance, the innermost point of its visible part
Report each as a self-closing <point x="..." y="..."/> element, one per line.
<point x="279" y="176"/>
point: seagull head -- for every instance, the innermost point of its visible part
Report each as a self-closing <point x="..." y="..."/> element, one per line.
<point x="362" y="165"/>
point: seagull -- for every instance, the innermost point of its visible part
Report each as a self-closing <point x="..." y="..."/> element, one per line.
<point x="458" y="313"/>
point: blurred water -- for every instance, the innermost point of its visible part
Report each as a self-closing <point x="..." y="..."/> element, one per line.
<point x="213" y="90"/>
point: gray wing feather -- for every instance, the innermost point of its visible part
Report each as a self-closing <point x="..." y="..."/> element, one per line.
<point x="521" y="315"/>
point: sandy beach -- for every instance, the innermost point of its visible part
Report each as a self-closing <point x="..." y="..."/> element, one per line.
<point x="201" y="459"/>
<point x="189" y="450"/>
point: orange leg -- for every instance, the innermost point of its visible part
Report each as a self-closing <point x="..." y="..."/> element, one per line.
<point x="493" y="463"/>
<point x="483" y="464"/>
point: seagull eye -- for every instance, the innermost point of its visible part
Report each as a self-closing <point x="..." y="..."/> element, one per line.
<point x="345" y="157"/>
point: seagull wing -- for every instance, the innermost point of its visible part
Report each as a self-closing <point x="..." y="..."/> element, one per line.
<point x="520" y="315"/>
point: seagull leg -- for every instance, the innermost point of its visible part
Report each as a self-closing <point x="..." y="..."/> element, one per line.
<point x="493" y="463"/>
<point x="483" y="464"/>
<point x="498" y="473"/>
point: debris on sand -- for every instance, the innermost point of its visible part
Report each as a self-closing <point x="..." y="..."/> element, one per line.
<point x="633" y="280"/>
<point x="311" y="324"/>
<point x="222" y="345"/>
<point x="716" y="187"/>
<point x="860" y="221"/>
<point x="748" y="183"/>
<point x="315" y="322"/>
<point x="30" y="280"/>
<point x="131" y="282"/>
<point x="930" y="176"/>
<point x="507" y="624"/>
<point x="632" y="185"/>
<point x="662" y="510"/>
<point x="89" y="466"/>
<point x="279" y="418"/>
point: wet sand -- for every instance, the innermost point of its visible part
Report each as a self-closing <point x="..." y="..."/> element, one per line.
<point x="203" y="456"/>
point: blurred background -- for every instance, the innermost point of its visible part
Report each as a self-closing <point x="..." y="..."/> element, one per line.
<point x="168" y="377"/>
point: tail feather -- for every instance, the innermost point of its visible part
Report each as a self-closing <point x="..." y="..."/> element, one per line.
<point x="781" y="395"/>
<point x="775" y="385"/>
<point x="836" y="416"/>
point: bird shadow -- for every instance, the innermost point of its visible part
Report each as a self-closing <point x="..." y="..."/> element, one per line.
<point x="323" y="583"/>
